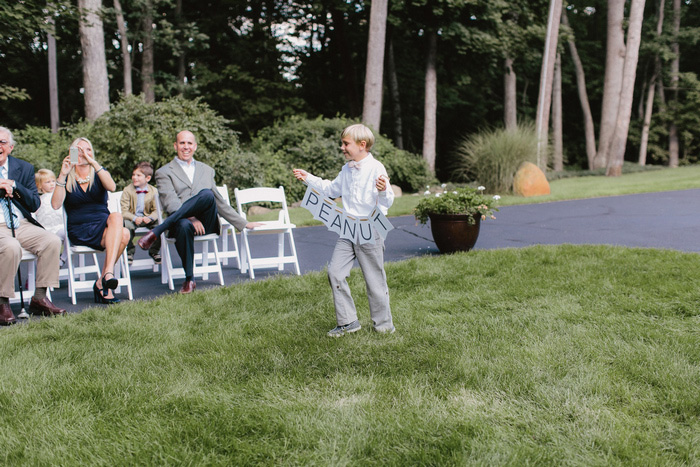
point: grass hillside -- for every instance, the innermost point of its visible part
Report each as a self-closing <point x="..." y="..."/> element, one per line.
<point x="573" y="355"/>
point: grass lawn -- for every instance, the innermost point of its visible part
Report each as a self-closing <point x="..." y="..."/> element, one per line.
<point x="573" y="355"/>
<point x="555" y="355"/>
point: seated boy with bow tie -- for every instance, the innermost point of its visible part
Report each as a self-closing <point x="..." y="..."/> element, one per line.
<point x="139" y="208"/>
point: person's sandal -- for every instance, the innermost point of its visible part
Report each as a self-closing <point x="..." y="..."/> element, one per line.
<point x="112" y="283"/>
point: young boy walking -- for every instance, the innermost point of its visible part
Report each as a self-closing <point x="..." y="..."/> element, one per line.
<point x="139" y="208"/>
<point x="363" y="184"/>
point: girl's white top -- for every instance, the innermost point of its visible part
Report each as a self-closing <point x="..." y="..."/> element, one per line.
<point x="51" y="219"/>
<point x="357" y="187"/>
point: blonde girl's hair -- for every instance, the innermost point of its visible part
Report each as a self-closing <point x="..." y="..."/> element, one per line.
<point x="72" y="180"/>
<point x="41" y="176"/>
<point x="359" y="132"/>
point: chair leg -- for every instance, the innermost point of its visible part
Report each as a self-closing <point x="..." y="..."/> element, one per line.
<point x="124" y="260"/>
<point x="294" y="253"/>
<point x="167" y="270"/>
<point x="205" y="260"/>
<point x="280" y="251"/>
<point x="249" y="259"/>
<point x="217" y="261"/>
<point x="224" y="246"/>
<point x="235" y="248"/>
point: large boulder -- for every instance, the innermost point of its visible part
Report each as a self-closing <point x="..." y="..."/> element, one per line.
<point x="529" y="180"/>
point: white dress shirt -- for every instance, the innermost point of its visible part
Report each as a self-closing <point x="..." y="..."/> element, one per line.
<point x="4" y="173"/>
<point x="188" y="168"/>
<point x="357" y="187"/>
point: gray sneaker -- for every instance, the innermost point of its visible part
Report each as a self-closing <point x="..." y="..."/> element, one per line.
<point x="385" y="330"/>
<point x="339" y="331"/>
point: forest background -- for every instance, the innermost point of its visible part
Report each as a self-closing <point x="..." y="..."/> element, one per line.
<point x="258" y="64"/>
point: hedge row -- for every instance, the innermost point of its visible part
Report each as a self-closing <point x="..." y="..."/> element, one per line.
<point x="134" y="131"/>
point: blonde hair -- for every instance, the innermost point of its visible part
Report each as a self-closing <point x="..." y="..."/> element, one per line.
<point x="72" y="180"/>
<point x="41" y="176"/>
<point x="359" y="132"/>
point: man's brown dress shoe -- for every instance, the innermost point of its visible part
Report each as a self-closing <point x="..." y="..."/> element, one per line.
<point x="6" y="316"/>
<point x="147" y="240"/>
<point x="188" y="287"/>
<point x="44" y="307"/>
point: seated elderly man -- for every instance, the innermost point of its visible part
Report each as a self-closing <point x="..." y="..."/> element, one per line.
<point x="18" y="229"/>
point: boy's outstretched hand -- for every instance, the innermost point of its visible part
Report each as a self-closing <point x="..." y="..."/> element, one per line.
<point x="300" y="174"/>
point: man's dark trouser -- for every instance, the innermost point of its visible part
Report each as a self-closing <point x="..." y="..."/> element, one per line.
<point x="203" y="207"/>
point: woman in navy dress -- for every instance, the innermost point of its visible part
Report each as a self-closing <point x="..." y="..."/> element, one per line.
<point x="82" y="189"/>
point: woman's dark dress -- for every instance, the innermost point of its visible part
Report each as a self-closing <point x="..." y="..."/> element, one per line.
<point x="87" y="215"/>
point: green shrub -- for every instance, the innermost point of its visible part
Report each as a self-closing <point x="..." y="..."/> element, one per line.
<point x="42" y="148"/>
<point x="314" y="145"/>
<point x="492" y="157"/>
<point x="134" y="131"/>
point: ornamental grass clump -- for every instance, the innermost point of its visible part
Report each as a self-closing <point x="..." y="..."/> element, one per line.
<point x="493" y="156"/>
<point x="466" y="200"/>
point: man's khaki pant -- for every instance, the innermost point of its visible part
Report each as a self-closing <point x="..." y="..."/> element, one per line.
<point x="45" y="245"/>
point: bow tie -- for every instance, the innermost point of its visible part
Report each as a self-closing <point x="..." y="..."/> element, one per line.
<point x="141" y="191"/>
<point x="354" y="165"/>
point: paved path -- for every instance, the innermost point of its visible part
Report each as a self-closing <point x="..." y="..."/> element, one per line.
<point x="658" y="220"/>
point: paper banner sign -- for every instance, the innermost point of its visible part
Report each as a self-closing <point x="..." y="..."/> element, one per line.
<point x="358" y="230"/>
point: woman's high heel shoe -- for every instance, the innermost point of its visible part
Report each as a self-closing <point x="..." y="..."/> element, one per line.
<point x="99" y="298"/>
<point x="96" y="293"/>
<point x="112" y="283"/>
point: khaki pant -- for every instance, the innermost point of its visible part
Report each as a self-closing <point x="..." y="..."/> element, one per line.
<point x="370" y="256"/>
<point x="45" y="245"/>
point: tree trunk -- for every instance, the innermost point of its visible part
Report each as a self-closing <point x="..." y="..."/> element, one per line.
<point x="394" y="92"/>
<point x="673" y="144"/>
<point x="430" y="111"/>
<point x="614" y="64"/>
<point x="181" y="66"/>
<point x="619" y="140"/>
<point x="148" y="82"/>
<point x="340" y="36"/>
<point x="510" y="114"/>
<point x="644" y="144"/>
<point x="557" y="132"/>
<point x="372" y="105"/>
<point x="95" y="81"/>
<point x="589" y="127"/>
<point x="124" y="44"/>
<point x="544" y="101"/>
<point x="53" y="76"/>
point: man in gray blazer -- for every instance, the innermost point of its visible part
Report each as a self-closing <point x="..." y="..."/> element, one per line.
<point x="188" y="193"/>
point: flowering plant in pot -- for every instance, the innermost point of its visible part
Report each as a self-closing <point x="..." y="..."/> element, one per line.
<point x="455" y="216"/>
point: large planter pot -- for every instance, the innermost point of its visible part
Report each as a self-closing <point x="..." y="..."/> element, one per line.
<point x="453" y="232"/>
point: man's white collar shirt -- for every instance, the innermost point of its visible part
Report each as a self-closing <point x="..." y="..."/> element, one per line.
<point x="357" y="186"/>
<point x="188" y="168"/>
<point x="5" y="173"/>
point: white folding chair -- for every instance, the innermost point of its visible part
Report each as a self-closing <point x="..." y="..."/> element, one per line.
<point x="78" y="280"/>
<point x="28" y="291"/>
<point x="141" y="263"/>
<point x="202" y="266"/>
<point x="280" y="227"/>
<point x="228" y="230"/>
